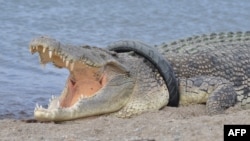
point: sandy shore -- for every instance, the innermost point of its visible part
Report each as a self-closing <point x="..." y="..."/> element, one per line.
<point x="172" y="124"/>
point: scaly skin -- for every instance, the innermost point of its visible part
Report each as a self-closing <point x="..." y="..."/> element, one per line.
<point x="222" y="56"/>
<point x="159" y="62"/>
<point x="100" y="82"/>
<point x="211" y="69"/>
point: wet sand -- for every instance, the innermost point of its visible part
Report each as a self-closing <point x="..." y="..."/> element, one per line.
<point x="173" y="124"/>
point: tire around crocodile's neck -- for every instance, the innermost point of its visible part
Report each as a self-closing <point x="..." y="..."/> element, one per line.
<point x="156" y="59"/>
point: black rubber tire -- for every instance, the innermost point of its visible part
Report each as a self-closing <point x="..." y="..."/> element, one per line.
<point x="161" y="63"/>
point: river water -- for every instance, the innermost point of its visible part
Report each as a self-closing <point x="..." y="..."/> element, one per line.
<point x="23" y="82"/>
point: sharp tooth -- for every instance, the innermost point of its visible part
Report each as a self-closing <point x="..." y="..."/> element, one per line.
<point x="36" y="47"/>
<point x="63" y="58"/>
<point x="72" y="66"/>
<point x="37" y="106"/>
<point x="50" y="53"/>
<point x="44" y="49"/>
<point x="52" y="97"/>
<point x="31" y="49"/>
<point x="67" y="63"/>
<point x="89" y="63"/>
<point x="58" y="103"/>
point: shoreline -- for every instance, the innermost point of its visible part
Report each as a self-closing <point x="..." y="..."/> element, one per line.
<point x="182" y="123"/>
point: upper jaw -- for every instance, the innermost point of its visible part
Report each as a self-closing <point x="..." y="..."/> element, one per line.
<point x="51" y="50"/>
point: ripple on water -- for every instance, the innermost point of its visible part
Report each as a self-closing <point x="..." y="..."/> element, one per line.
<point x="23" y="83"/>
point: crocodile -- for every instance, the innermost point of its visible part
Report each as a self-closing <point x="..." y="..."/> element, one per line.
<point x="125" y="79"/>
<point x="103" y="81"/>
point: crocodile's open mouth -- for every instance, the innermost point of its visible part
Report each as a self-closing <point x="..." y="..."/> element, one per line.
<point x="83" y="82"/>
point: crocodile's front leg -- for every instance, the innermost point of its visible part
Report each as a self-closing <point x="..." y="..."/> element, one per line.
<point x="216" y="92"/>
